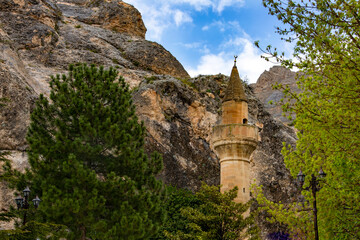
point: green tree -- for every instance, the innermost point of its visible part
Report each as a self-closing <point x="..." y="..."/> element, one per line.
<point x="176" y="200"/>
<point x="326" y="35"/>
<point x="87" y="159"/>
<point x="34" y="230"/>
<point x="216" y="216"/>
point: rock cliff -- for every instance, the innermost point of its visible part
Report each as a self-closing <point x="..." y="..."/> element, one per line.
<point x="39" y="38"/>
<point x="264" y="91"/>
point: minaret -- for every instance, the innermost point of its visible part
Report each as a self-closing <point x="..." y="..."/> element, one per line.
<point x="234" y="139"/>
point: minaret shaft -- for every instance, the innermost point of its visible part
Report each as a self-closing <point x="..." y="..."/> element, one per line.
<point x="234" y="112"/>
<point x="234" y="140"/>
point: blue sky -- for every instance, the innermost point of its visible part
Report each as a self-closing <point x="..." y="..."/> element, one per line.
<point x="204" y="35"/>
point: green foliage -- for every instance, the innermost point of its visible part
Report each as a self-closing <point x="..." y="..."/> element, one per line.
<point x="115" y="61"/>
<point x="215" y="216"/>
<point x="136" y="63"/>
<point x="151" y="79"/>
<point x="327" y="50"/>
<point x="6" y="173"/>
<point x="34" y="230"/>
<point x="176" y="200"/>
<point x="188" y="83"/>
<point x="297" y="216"/>
<point x="93" y="50"/>
<point x="3" y="101"/>
<point x="87" y="160"/>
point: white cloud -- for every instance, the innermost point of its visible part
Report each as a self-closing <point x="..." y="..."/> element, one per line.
<point x="181" y="17"/>
<point x="216" y="5"/>
<point x="197" y="46"/>
<point x="249" y="62"/>
<point x="159" y="15"/>
<point x="212" y="64"/>
<point x="223" y="26"/>
<point x="192" y="45"/>
<point x="227" y="3"/>
<point x="199" y="5"/>
<point x="205" y="28"/>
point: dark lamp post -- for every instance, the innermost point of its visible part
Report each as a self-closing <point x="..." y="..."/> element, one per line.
<point x="322" y="174"/>
<point x="26" y="192"/>
<point x="36" y="201"/>
<point x="313" y="187"/>
<point x="19" y="201"/>
<point x="301" y="178"/>
<point x="23" y="202"/>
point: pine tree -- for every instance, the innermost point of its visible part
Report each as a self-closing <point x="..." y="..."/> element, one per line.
<point x="327" y="50"/>
<point x="87" y="159"/>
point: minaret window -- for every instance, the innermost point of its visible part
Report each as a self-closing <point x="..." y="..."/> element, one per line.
<point x="245" y="121"/>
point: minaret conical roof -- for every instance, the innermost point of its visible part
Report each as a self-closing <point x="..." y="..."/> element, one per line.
<point x="235" y="90"/>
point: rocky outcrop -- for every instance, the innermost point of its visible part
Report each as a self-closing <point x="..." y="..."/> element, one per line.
<point x="179" y="120"/>
<point x="263" y="89"/>
<point x="56" y="33"/>
<point x="179" y="116"/>
<point x="117" y="16"/>
<point x="14" y="117"/>
<point x="41" y="38"/>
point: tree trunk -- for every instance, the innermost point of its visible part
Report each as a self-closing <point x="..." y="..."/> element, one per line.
<point x="83" y="233"/>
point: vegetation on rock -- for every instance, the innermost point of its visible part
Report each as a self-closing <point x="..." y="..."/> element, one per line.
<point x="327" y="49"/>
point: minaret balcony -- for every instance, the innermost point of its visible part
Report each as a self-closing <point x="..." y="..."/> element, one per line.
<point x="235" y="142"/>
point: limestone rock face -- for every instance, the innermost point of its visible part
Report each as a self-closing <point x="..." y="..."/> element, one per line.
<point x="263" y="89"/>
<point x="55" y="33"/>
<point x="179" y="121"/>
<point x="39" y="38"/>
<point x="113" y="15"/>
<point x="14" y="116"/>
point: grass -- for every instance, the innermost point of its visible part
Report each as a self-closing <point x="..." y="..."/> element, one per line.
<point x="94" y="50"/>
<point x="57" y="28"/>
<point x="188" y="83"/>
<point x="151" y="79"/>
<point x="135" y="89"/>
<point x="5" y="41"/>
<point x="168" y="117"/>
<point x="136" y="63"/>
<point x="115" y="61"/>
<point x="77" y="26"/>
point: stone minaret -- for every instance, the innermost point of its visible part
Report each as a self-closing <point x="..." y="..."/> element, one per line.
<point x="234" y="139"/>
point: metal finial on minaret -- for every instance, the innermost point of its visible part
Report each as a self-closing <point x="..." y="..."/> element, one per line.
<point x="235" y="59"/>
